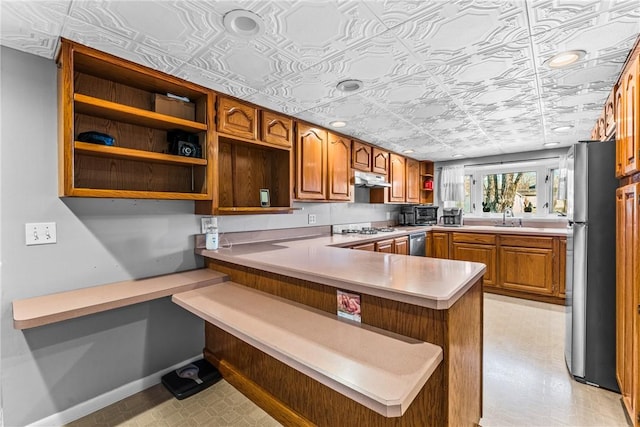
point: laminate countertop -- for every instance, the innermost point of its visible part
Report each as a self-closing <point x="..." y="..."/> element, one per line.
<point x="428" y="282"/>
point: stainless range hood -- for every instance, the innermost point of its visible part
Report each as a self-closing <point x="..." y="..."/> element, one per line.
<point x="370" y="180"/>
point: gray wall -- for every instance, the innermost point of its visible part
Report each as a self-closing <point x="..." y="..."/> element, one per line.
<point x="48" y="369"/>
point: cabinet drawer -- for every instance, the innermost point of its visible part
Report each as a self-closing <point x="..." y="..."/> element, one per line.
<point x="487" y="239"/>
<point x="527" y="242"/>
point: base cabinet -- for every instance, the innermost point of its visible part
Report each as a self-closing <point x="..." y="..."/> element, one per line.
<point x="530" y="267"/>
<point x="439" y="245"/>
<point x="399" y="245"/>
<point x="477" y="248"/>
<point x="527" y="269"/>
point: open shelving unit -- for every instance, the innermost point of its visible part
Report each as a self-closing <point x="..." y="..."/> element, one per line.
<point x="103" y="93"/>
<point x="426" y="176"/>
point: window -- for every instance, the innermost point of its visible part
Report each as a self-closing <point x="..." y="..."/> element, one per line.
<point x="468" y="180"/>
<point x="558" y="192"/>
<point x="515" y="190"/>
<point x="534" y="186"/>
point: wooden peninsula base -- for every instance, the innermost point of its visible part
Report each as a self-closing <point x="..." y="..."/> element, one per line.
<point x="452" y="396"/>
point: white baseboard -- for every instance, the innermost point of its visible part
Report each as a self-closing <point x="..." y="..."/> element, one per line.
<point x="92" y="405"/>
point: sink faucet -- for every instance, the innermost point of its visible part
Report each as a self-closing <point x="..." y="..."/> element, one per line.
<point x="506" y="211"/>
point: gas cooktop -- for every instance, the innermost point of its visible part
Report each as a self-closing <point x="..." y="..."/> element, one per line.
<point x="364" y="228"/>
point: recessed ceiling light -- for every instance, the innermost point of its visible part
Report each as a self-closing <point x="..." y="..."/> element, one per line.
<point x="457" y="156"/>
<point x="564" y="59"/>
<point x="350" y="85"/>
<point x="563" y="128"/>
<point x="243" y="23"/>
<point x="409" y="151"/>
<point x="551" y="144"/>
<point x="338" y="124"/>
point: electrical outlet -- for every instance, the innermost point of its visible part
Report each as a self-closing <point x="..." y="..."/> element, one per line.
<point x="40" y="233"/>
<point x="312" y="218"/>
<point x="388" y="215"/>
<point x="205" y="223"/>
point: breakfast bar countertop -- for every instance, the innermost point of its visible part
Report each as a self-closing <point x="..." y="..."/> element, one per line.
<point x="427" y="282"/>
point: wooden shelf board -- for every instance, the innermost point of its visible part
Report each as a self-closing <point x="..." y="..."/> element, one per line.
<point x="427" y="175"/>
<point x="123" y="113"/>
<point x="131" y="154"/>
<point x="47" y="309"/>
<point x="135" y="194"/>
<point x="254" y="210"/>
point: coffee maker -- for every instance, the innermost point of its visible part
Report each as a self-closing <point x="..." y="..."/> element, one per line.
<point x="452" y="217"/>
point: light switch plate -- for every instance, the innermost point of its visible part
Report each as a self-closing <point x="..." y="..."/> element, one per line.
<point x="40" y="233"/>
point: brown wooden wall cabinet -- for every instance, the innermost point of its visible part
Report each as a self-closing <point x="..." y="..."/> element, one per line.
<point x="99" y="92"/>
<point x="367" y="158"/>
<point x="397" y="178"/>
<point x="361" y="156"/>
<point x="276" y="129"/>
<point x="323" y="165"/>
<point x="412" y="181"/>
<point x="338" y="168"/>
<point x="380" y="161"/>
<point x="311" y="162"/>
<point x="628" y="133"/>
<point x="236" y="118"/>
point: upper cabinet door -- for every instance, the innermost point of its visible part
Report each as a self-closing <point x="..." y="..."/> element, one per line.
<point x="620" y="131"/>
<point x="413" y="181"/>
<point x="311" y="162"/>
<point x="338" y="165"/>
<point x="361" y="156"/>
<point x="631" y="134"/>
<point x="609" y="114"/>
<point x="236" y="118"/>
<point x="397" y="178"/>
<point x="380" y="162"/>
<point x="276" y="129"/>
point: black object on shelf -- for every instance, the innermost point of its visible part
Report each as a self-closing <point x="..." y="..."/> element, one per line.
<point x="96" y="138"/>
<point x="190" y="379"/>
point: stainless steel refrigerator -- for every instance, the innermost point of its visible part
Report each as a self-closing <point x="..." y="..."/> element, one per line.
<point x="590" y="349"/>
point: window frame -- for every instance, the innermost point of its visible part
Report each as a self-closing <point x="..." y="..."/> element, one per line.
<point x="544" y="186"/>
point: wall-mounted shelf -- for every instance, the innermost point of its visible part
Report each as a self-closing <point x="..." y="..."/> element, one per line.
<point x="84" y="104"/>
<point x="426" y="174"/>
<point x="128" y="153"/>
<point x="102" y="93"/>
<point x="47" y="309"/>
<point x="252" y="210"/>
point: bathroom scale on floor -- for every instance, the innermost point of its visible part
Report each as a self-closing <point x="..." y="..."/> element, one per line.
<point x="190" y="379"/>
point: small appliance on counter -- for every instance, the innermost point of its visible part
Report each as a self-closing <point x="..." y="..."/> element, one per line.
<point x="425" y="215"/>
<point x="452" y="217"/>
<point x="406" y="215"/>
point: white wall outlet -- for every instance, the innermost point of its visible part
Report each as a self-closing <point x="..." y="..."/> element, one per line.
<point x="388" y="215"/>
<point x="40" y="233"/>
<point x="312" y="218"/>
<point x="205" y="223"/>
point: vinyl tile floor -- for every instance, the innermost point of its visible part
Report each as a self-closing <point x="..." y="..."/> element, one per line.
<point x="526" y="383"/>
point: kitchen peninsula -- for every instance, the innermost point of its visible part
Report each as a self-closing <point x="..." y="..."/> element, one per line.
<point x="422" y="301"/>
